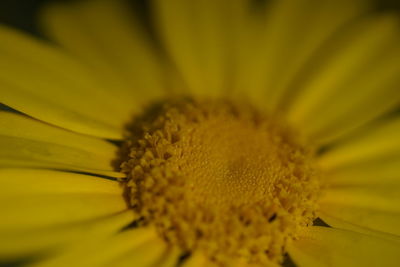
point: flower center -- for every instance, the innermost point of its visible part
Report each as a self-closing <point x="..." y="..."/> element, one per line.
<point x="221" y="178"/>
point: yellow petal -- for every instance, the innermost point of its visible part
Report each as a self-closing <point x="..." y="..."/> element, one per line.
<point x="171" y="259"/>
<point x="20" y="244"/>
<point x="383" y="197"/>
<point x="109" y="39"/>
<point x="19" y="152"/>
<point x="342" y="224"/>
<point x="272" y="61"/>
<point x="323" y="246"/>
<point x="151" y="254"/>
<point x="48" y="210"/>
<point x="246" y="53"/>
<point x="384" y="171"/>
<point x="30" y="182"/>
<point x="27" y="142"/>
<point x="106" y="251"/>
<point x="374" y="218"/>
<point x="196" y="260"/>
<point x="12" y="124"/>
<point x="30" y="199"/>
<point x="363" y="172"/>
<point x="194" y="35"/>
<point x="372" y="143"/>
<point x="365" y="195"/>
<point x="355" y="81"/>
<point x="41" y="81"/>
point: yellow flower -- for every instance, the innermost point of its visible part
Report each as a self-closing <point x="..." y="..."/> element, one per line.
<point x="219" y="133"/>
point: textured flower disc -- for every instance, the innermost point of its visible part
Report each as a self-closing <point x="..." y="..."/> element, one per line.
<point x="221" y="178"/>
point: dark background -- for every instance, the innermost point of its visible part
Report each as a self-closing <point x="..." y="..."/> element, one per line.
<point x="21" y="13"/>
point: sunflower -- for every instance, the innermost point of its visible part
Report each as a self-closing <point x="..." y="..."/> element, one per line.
<point x="208" y="133"/>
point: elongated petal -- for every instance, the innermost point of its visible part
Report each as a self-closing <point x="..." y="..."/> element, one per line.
<point x="107" y="251"/>
<point x="285" y="36"/>
<point x="363" y="176"/>
<point x="383" y="172"/>
<point x="355" y="81"/>
<point x="323" y="246"/>
<point x="195" y="37"/>
<point x="384" y="197"/>
<point x="151" y="254"/>
<point x="343" y="224"/>
<point x="365" y="195"/>
<point x="48" y="210"/>
<point x="12" y="124"/>
<point x="27" y="142"/>
<point x="19" y="152"/>
<point x="171" y="259"/>
<point x="55" y="88"/>
<point x="368" y="145"/>
<point x="20" y="244"/>
<point x="196" y="260"/>
<point x="30" y="182"/>
<point x="109" y="39"/>
<point x="30" y="199"/>
<point x="375" y="218"/>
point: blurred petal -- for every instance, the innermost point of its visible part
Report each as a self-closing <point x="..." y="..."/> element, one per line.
<point x="108" y="37"/>
<point x="282" y="39"/>
<point x="20" y="244"/>
<point x="377" y="217"/>
<point x="170" y="258"/>
<point x="30" y="199"/>
<point x="342" y="224"/>
<point x="383" y="197"/>
<point x="196" y="260"/>
<point x="195" y="36"/>
<point x="355" y="82"/>
<point x="323" y="246"/>
<point x="142" y="244"/>
<point x="31" y="182"/>
<point x="363" y="174"/>
<point x="151" y="254"/>
<point x="30" y="143"/>
<point x="366" y="194"/>
<point x="55" y="88"/>
<point x="372" y="143"/>
<point x="384" y="171"/>
<point x="46" y="210"/>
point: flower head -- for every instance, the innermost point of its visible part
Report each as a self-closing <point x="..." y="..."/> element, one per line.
<point x="219" y="133"/>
